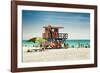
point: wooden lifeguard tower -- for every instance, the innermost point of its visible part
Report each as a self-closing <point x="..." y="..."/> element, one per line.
<point x="51" y="33"/>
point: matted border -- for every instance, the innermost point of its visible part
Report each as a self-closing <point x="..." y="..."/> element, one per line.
<point x="14" y="31"/>
<point x="21" y="64"/>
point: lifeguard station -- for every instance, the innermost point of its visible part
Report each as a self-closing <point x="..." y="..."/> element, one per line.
<point x="51" y="33"/>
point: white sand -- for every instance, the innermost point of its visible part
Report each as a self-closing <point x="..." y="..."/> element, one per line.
<point x="57" y="55"/>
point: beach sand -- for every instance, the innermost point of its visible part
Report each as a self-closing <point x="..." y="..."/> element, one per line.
<point x="57" y="55"/>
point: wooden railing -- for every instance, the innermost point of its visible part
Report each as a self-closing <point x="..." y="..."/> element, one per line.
<point x="57" y="35"/>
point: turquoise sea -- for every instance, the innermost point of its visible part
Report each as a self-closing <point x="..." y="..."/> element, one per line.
<point x="71" y="43"/>
<point x="76" y="43"/>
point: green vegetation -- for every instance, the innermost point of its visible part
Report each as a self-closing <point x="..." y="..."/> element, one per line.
<point x="37" y="40"/>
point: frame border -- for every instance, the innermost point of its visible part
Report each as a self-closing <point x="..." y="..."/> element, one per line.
<point x="14" y="35"/>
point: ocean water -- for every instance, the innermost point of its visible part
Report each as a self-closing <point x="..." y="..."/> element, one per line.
<point x="76" y="43"/>
<point x="29" y="44"/>
<point x="71" y="43"/>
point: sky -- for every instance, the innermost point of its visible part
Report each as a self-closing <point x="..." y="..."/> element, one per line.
<point x="77" y="25"/>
